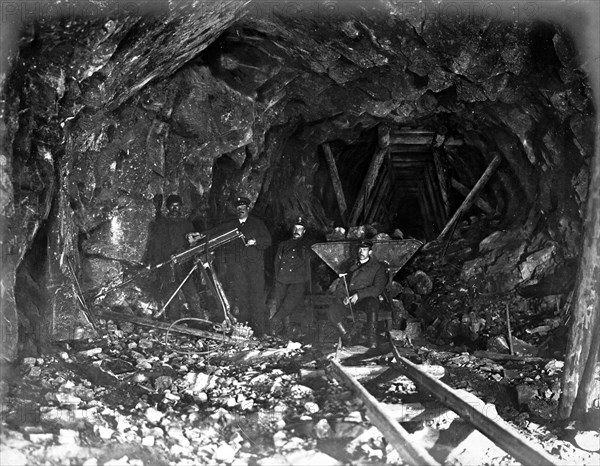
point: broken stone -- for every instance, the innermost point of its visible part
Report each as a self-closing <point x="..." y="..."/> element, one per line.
<point x="588" y="440"/>
<point x="525" y="393"/>
<point x="41" y="437"/>
<point x="322" y="428"/>
<point x="522" y="348"/>
<point x="382" y="237"/>
<point x="420" y="282"/>
<point x="90" y="352"/>
<point x="553" y="367"/>
<point x="354" y="416"/>
<point x="338" y="234"/>
<point x="12" y="457"/>
<point x="311" y="407"/>
<point x="301" y="391"/>
<point x="35" y="372"/>
<point x="356" y="233"/>
<point x="29" y="361"/>
<point x="163" y="382"/>
<point x="103" y="432"/>
<point x="153" y="415"/>
<point x="279" y="439"/>
<point x="68" y="436"/>
<point x="225" y="453"/>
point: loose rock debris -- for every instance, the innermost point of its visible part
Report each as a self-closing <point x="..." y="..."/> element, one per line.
<point x="132" y="399"/>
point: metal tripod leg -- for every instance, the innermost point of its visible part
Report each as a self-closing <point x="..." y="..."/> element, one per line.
<point x="164" y="308"/>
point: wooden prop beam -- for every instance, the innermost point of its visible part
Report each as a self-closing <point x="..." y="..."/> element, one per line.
<point x="461" y="188"/>
<point x="470" y="199"/>
<point x="400" y="439"/>
<point x="371" y="177"/>
<point x="498" y="431"/>
<point x="335" y="180"/>
<point x="584" y="330"/>
<point x="442" y="180"/>
<point x="167" y="326"/>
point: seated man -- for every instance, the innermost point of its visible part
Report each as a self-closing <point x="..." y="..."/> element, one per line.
<point x="367" y="281"/>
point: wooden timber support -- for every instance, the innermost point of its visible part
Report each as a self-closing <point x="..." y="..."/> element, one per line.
<point x="470" y="199"/>
<point x="380" y="193"/>
<point x="165" y="326"/>
<point x="583" y="343"/>
<point x="442" y="180"/>
<point x="335" y="180"/>
<point x="401" y="440"/>
<point x="371" y="176"/>
<point x="496" y="430"/>
<point x="461" y="188"/>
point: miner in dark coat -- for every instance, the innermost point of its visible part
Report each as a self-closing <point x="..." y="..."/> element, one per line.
<point x="243" y="260"/>
<point x="366" y="282"/>
<point x="292" y="273"/>
<point x="167" y="235"/>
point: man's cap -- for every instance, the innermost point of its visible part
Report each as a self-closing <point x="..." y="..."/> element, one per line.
<point x="242" y="201"/>
<point x="172" y="199"/>
<point x="300" y="221"/>
<point x="365" y="243"/>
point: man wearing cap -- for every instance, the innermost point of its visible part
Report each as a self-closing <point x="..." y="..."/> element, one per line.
<point x="366" y="283"/>
<point x="167" y="235"/>
<point x="245" y="266"/>
<point x="292" y="273"/>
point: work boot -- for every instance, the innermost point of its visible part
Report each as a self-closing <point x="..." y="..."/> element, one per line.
<point x="344" y="334"/>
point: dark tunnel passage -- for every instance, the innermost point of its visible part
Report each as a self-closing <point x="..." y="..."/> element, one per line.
<point x="106" y="116"/>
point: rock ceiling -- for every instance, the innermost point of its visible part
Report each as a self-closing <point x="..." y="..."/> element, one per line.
<point x="105" y="112"/>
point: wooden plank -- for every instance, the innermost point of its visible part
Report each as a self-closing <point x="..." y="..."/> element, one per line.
<point x="335" y="180"/>
<point x="584" y="329"/>
<point x="442" y="180"/>
<point x="436" y="206"/>
<point x="468" y="202"/>
<point x="461" y="188"/>
<point x="400" y="439"/>
<point x="375" y="199"/>
<point x="497" y="430"/>
<point x="164" y="326"/>
<point x="369" y="181"/>
<point x="507" y="357"/>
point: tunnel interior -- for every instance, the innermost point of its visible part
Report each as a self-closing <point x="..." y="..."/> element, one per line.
<point x="106" y="127"/>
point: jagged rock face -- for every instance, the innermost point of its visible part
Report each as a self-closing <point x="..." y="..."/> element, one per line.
<point x="119" y="112"/>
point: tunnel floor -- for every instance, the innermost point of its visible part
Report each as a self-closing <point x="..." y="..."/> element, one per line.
<point x="133" y="397"/>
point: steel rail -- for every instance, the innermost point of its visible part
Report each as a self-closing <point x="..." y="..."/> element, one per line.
<point x="499" y="432"/>
<point x="400" y="439"/>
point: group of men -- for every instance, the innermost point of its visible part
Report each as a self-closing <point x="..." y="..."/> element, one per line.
<point x="241" y="264"/>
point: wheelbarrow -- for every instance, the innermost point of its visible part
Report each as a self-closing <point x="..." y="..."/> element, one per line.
<point x="339" y="255"/>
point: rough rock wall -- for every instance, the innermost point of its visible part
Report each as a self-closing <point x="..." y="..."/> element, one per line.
<point x="118" y="112"/>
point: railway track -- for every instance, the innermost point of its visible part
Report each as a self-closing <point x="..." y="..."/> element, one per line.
<point x="468" y="407"/>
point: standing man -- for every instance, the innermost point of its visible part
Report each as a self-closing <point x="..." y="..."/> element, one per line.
<point x="292" y="273"/>
<point x="245" y="265"/>
<point x="366" y="283"/>
<point x="167" y="235"/>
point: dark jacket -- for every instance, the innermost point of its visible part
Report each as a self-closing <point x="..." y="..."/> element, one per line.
<point x="166" y="236"/>
<point x="237" y="252"/>
<point x="368" y="279"/>
<point x="292" y="261"/>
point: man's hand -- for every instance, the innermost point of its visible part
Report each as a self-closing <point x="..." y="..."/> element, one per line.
<point x="193" y="237"/>
<point x="251" y="242"/>
<point x="351" y="300"/>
